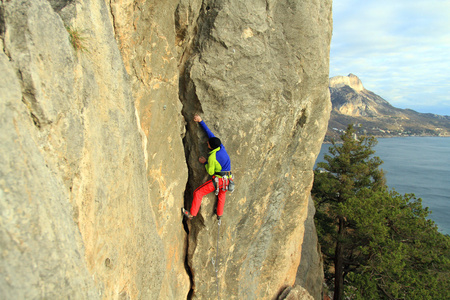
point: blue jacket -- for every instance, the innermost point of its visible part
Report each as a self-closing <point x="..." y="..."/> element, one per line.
<point x="218" y="159"/>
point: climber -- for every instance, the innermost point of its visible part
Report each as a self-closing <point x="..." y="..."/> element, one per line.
<point x="218" y="166"/>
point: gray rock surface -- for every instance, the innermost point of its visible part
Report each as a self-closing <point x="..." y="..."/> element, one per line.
<point x="258" y="73"/>
<point x="310" y="273"/>
<point x="97" y="145"/>
<point x="41" y="249"/>
<point x="295" y="293"/>
<point x="42" y="254"/>
<point x="145" y="33"/>
<point x="76" y="217"/>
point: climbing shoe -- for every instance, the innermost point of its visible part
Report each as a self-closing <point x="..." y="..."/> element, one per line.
<point x="186" y="214"/>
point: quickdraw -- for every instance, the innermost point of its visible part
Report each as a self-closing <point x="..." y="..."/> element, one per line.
<point x="216" y="184"/>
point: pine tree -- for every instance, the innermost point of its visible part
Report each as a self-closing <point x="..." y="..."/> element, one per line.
<point x="350" y="171"/>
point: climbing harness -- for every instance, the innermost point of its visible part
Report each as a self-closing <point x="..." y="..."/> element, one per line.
<point x="214" y="261"/>
<point x="227" y="181"/>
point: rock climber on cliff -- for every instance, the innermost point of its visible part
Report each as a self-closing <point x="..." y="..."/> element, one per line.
<point x="218" y="166"/>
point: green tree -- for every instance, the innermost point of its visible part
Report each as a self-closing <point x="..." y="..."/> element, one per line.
<point x="377" y="242"/>
<point x="351" y="171"/>
<point x="405" y="257"/>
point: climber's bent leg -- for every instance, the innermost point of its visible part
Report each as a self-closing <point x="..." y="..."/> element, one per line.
<point x="201" y="191"/>
<point x="221" y="202"/>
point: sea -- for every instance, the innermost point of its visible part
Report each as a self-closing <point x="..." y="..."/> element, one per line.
<point x="417" y="165"/>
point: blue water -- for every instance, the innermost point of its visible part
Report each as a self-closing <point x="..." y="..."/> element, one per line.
<point x="418" y="165"/>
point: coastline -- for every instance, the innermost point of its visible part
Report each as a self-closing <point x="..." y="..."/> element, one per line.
<point x="417" y="166"/>
<point x="328" y="141"/>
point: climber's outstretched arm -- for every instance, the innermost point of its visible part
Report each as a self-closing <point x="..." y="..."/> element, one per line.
<point x="199" y="120"/>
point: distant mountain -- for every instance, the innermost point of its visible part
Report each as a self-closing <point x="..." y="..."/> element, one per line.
<point x="352" y="103"/>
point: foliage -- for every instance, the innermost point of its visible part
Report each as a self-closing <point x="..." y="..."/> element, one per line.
<point x="77" y="39"/>
<point x="377" y="243"/>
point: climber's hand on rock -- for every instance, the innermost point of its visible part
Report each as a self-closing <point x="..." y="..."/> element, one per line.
<point x="202" y="160"/>
<point x="197" y="118"/>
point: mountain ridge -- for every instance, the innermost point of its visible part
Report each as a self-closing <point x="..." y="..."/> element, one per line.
<point x="352" y="103"/>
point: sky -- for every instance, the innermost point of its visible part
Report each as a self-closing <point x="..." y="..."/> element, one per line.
<point x="400" y="49"/>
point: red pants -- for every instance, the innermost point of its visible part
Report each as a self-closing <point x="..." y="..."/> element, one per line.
<point x="205" y="189"/>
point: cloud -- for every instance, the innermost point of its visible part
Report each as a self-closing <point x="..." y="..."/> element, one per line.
<point x="398" y="49"/>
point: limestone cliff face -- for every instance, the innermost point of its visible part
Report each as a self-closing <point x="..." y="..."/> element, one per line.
<point x="351" y="81"/>
<point x="352" y="99"/>
<point x="77" y="217"/>
<point x="99" y="150"/>
<point x="257" y="72"/>
<point x="352" y="103"/>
